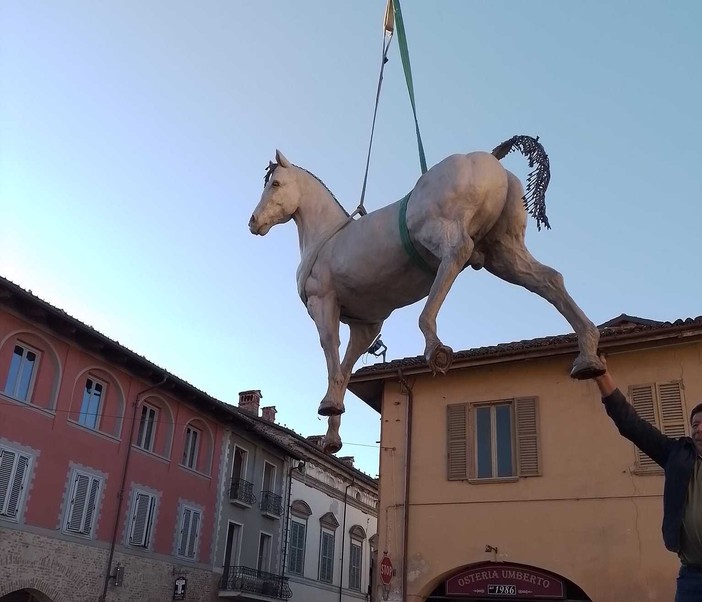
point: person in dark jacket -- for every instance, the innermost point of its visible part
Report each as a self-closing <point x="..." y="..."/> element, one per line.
<point x="681" y="460"/>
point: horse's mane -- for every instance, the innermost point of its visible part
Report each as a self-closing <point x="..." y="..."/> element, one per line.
<point x="272" y="166"/>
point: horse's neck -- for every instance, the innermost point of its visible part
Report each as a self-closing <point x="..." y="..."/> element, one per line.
<point x="317" y="216"/>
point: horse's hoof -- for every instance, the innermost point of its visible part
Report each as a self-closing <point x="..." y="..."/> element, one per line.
<point x="584" y="369"/>
<point x="330" y="408"/>
<point x="331" y="446"/>
<point x="440" y="359"/>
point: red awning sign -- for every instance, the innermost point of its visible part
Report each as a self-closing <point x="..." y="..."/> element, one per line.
<point x="386" y="570"/>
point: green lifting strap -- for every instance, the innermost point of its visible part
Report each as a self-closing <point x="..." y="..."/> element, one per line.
<point x="404" y="54"/>
<point x="407" y="243"/>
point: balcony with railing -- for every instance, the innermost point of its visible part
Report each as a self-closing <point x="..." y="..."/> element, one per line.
<point x="242" y="579"/>
<point x="271" y="504"/>
<point x="241" y="493"/>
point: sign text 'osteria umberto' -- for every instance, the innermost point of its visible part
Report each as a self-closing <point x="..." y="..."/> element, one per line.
<point x="505" y="580"/>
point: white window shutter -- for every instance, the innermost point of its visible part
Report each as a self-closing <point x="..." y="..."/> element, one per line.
<point x="184" y="532"/>
<point x="141" y="517"/>
<point x="76" y="509"/>
<point x="90" y="506"/>
<point x="192" y="539"/>
<point x="16" y="487"/>
<point x="7" y="467"/>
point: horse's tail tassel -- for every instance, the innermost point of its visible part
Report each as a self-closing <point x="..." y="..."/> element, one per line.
<point x="537" y="180"/>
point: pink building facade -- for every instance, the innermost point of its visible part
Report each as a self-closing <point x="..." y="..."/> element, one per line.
<point x="110" y="468"/>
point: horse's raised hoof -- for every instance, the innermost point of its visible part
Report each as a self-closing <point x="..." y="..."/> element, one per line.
<point x="330" y="408"/>
<point x="331" y="445"/>
<point x="440" y="359"/>
<point x="584" y="369"/>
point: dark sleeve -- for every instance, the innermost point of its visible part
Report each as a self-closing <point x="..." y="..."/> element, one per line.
<point x="642" y="433"/>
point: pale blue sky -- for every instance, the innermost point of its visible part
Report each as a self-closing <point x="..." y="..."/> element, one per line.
<point x="134" y="135"/>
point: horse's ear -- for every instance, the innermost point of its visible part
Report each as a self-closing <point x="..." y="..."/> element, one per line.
<point x="281" y="160"/>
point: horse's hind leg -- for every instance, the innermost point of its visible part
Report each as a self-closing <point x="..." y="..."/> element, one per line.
<point x="509" y="259"/>
<point x="439" y="356"/>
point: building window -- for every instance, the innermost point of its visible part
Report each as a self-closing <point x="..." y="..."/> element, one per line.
<point x="326" y="557"/>
<point x="14" y="473"/>
<point x="147" y="427"/>
<point x="355" y="565"/>
<point x="141" y="525"/>
<point x="82" y="507"/>
<point x="190" y="520"/>
<point x="192" y="444"/>
<point x="23" y="368"/>
<point x="493" y="440"/>
<point x="298" y="535"/>
<point x="264" y="552"/>
<point x="662" y="405"/>
<point x="90" y="406"/>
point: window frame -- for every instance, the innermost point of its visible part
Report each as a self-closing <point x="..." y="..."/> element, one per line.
<point x="14" y="485"/>
<point x="269" y="551"/>
<point x="101" y="400"/>
<point x="32" y="378"/>
<point x="95" y="483"/>
<point x="188" y="460"/>
<point x="326" y="559"/>
<point x="149" y="521"/>
<point x="141" y="436"/>
<point x="301" y="523"/>
<point x="188" y="541"/>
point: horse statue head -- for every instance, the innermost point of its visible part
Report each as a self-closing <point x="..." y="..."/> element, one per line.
<point x="280" y="198"/>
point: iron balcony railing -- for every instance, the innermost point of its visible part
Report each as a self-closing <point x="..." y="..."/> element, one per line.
<point x="271" y="503"/>
<point x="242" y="491"/>
<point x="245" y="579"/>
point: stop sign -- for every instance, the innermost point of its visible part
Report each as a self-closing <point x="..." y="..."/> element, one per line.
<point x="386" y="570"/>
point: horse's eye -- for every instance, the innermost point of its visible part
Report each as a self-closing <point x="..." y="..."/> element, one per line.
<point x="275" y="183"/>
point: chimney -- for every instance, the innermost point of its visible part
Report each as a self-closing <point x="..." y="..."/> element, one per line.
<point x="315" y="440"/>
<point x="249" y="401"/>
<point x="268" y="413"/>
<point x="348" y="460"/>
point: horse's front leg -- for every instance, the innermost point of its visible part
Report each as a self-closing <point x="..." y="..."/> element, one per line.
<point x="324" y="310"/>
<point x="438" y="355"/>
<point x="361" y="335"/>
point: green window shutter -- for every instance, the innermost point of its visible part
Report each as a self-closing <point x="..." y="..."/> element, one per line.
<point x="670" y="400"/>
<point x="527" y="436"/>
<point x="644" y="401"/>
<point x="457" y="442"/>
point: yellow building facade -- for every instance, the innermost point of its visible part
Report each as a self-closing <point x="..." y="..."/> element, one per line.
<point x="505" y="479"/>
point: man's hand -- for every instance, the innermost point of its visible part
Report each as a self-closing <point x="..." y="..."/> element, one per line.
<point x="605" y="382"/>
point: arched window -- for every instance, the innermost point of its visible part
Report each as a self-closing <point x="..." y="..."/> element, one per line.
<point x="197" y="446"/>
<point x="154" y="426"/>
<point x="30" y="369"/>
<point x="97" y="402"/>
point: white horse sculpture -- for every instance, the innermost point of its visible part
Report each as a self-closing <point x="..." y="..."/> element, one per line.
<point x="466" y="210"/>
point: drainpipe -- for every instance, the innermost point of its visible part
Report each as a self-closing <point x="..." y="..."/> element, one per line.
<point x="408" y="456"/>
<point x="300" y="466"/>
<point x="120" y="495"/>
<point x="343" y="537"/>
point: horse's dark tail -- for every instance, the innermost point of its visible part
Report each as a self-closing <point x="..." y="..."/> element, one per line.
<point x="537" y="180"/>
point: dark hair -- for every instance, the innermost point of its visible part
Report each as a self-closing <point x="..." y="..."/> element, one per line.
<point x="696" y="410"/>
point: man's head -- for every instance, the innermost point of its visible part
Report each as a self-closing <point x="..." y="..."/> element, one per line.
<point x="696" y="426"/>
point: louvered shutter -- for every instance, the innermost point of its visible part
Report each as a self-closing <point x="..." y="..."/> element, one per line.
<point x="457" y="442"/>
<point x="192" y="540"/>
<point x="16" y="487"/>
<point x="77" y="507"/>
<point x="90" y="506"/>
<point x="143" y="509"/>
<point x="184" y="532"/>
<point x="671" y="409"/>
<point x="527" y="435"/>
<point x="7" y="465"/>
<point x="643" y="399"/>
